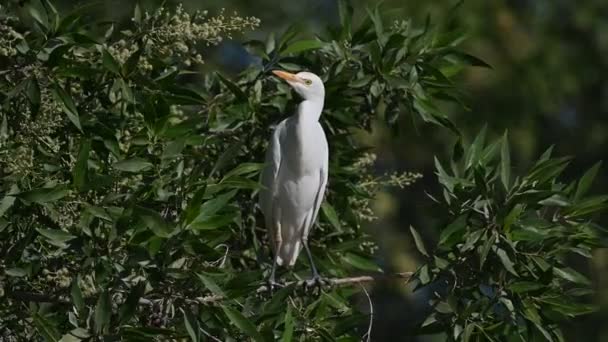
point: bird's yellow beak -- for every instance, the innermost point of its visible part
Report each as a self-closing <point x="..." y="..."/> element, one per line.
<point x="287" y="76"/>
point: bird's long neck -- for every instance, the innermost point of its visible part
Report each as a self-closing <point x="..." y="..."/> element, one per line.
<point x="309" y="111"/>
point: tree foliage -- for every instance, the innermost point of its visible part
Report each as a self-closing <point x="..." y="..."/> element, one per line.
<point x="129" y="180"/>
<point x="502" y="255"/>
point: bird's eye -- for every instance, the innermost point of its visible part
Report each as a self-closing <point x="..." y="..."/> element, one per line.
<point x="308" y="82"/>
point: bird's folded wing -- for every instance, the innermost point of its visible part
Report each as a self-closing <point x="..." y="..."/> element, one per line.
<point x="271" y="172"/>
<point x="320" y="194"/>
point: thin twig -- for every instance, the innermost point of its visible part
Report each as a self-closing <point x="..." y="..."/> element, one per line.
<point x="368" y="334"/>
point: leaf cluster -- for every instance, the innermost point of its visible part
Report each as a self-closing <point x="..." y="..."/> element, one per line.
<point x="502" y="259"/>
<point x="128" y="179"/>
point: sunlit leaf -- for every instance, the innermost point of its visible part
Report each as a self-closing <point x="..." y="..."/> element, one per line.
<point x="45" y="195"/>
<point x="301" y="46"/>
<point x="506" y="261"/>
<point x="67" y="104"/>
<point x="418" y="241"/>
<point x="103" y="312"/>
<point x="132" y="165"/>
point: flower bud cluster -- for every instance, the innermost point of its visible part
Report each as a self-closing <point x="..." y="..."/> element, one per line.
<point x="8" y="37"/>
<point x="176" y="34"/>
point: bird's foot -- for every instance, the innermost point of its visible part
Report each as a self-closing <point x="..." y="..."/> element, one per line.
<point x="316" y="284"/>
<point x="272" y="285"/>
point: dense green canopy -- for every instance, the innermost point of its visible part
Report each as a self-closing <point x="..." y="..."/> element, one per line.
<point x="131" y="140"/>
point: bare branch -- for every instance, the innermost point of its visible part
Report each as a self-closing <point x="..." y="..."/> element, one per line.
<point x="332" y="282"/>
<point x="210" y="299"/>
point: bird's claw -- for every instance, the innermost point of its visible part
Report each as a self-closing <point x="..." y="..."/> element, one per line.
<point x="271" y="284"/>
<point x="315" y="284"/>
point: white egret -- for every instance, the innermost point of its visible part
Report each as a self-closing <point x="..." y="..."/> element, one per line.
<point x="295" y="174"/>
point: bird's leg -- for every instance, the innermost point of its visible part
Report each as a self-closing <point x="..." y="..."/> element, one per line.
<point x="272" y="279"/>
<point x="316" y="281"/>
<point x="315" y="273"/>
<point x="278" y="242"/>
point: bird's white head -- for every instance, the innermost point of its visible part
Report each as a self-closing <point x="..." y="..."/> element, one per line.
<point x="307" y="84"/>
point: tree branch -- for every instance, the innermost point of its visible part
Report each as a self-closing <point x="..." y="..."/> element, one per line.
<point x="331" y="282"/>
<point x="210" y="299"/>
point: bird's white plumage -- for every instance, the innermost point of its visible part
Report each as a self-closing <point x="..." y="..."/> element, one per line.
<point x="296" y="171"/>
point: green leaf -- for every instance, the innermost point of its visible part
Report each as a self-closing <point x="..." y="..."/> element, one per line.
<point x="76" y="335"/>
<point x="468" y="332"/>
<point x="208" y="209"/>
<point x="56" y="235"/>
<point x="330" y="214"/>
<point x="555" y="201"/>
<point x="506" y="261"/>
<point x="213" y="222"/>
<point x="244" y="169"/>
<point x="103" y="312"/>
<point x="448" y="236"/>
<point x="505" y="163"/>
<point x="38" y="13"/>
<point x="67" y="105"/>
<point x="525" y="286"/>
<point x="191" y="324"/>
<point x="131" y="64"/>
<point x="16" y="272"/>
<point x="587" y="206"/>
<point x="129" y="307"/>
<point x="377" y="20"/>
<point x="33" y="94"/>
<point x="174" y="149"/>
<point x="432" y="318"/>
<point x="242" y="323"/>
<point x="44" y="195"/>
<point x="127" y="93"/>
<point x="109" y="62"/>
<point x="233" y="87"/>
<point x="544" y="332"/>
<point x="132" y="165"/>
<point x="289" y="325"/>
<point x="567" y="306"/>
<point x="423" y="275"/>
<point x="76" y="295"/>
<point x="79" y="174"/>
<point x="547" y="170"/>
<point x="137" y="13"/>
<point x="474" y="151"/>
<point x="530" y="311"/>
<point x="210" y="284"/>
<point x="513" y="216"/>
<point x="418" y="241"/>
<point x="571" y="275"/>
<point x="228" y="155"/>
<point x="360" y="262"/>
<point x="301" y="46"/>
<point x="8" y="200"/>
<point x="45" y="328"/>
<point x="466" y="59"/>
<point x="154" y="222"/>
<point x="485" y="249"/>
<point x="585" y="182"/>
